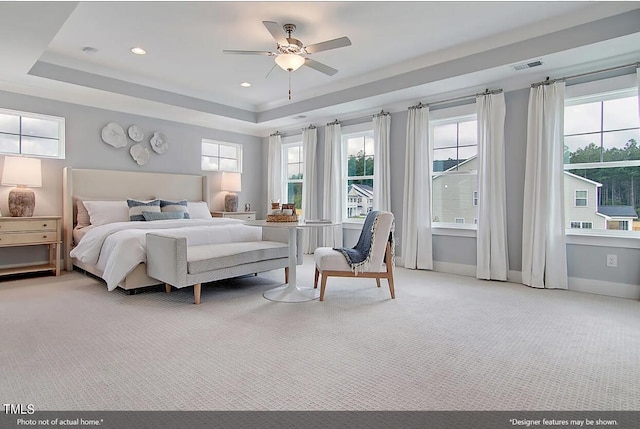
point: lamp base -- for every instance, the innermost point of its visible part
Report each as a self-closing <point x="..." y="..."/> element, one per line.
<point x="231" y="202"/>
<point x="22" y="202"/>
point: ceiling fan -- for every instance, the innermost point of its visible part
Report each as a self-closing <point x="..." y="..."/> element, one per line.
<point x="290" y="53"/>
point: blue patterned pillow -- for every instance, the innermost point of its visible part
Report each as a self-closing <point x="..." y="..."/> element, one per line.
<point x="175" y="206"/>
<point x="137" y="207"/>
<point x="148" y="216"/>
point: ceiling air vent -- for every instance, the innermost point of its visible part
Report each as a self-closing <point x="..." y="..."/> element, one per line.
<point x="528" y="65"/>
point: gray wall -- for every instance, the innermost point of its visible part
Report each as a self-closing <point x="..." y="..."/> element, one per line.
<point x="85" y="149"/>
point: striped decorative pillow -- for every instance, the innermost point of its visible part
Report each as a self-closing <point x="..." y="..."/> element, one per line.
<point x="149" y="216"/>
<point x="175" y="206"/>
<point x="137" y="207"/>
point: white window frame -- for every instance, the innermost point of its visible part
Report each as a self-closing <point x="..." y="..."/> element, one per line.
<point x="61" y="132"/>
<point x="237" y="146"/>
<point x="447" y="116"/>
<point x="579" y="94"/>
<point x="364" y="129"/>
<point x="288" y="142"/>
<point x="585" y="198"/>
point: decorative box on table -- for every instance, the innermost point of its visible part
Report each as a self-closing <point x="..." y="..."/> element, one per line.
<point x="286" y="214"/>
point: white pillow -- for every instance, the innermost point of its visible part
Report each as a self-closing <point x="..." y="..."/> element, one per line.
<point x="104" y="212"/>
<point x="198" y="210"/>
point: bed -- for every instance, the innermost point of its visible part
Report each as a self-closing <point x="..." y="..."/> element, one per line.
<point x="126" y="240"/>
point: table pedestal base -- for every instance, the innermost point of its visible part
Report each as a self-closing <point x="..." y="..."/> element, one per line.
<point x="289" y="293"/>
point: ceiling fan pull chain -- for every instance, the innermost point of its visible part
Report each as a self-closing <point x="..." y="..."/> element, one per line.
<point x="289" y="85"/>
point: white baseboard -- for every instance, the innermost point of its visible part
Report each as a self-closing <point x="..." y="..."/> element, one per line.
<point x="598" y="287"/>
<point x="601" y="287"/>
<point x="452" y="268"/>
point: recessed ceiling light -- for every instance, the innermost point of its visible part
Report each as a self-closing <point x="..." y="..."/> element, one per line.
<point x="89" y="50"/>
<point x="245" y="84"/>
<point x="138" y="51"/>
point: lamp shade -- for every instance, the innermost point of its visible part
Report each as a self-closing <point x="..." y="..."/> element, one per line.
<point x="21" y="171"/>
<point x="290" y="62"/>
<point x="231" y="182"/>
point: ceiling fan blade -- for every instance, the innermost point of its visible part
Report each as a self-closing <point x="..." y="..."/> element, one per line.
<point x="249" y="52"/>
<point x="340" y="42"/>
<point x="276" y="31"/>
<point x="323" y="68"/>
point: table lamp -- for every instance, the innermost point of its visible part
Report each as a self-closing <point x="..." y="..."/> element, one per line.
<point x="231" y="182"/>
<point x="23" y="173"/>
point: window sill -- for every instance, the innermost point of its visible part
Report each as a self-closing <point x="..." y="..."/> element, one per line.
<point x="604" y="238"/>
<point x="454" y="230"/>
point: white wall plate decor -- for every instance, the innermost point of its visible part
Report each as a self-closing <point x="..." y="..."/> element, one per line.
<point x="135" y="133"/>
<point x="113" y="134"/>
<point x="139" y="154"/>
<point x="159" y="143"/>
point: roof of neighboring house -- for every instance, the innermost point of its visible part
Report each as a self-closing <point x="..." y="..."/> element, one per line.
<point x="618" y="211"/>
<point x="584" y="178"/>
<point x="364" y="190"/>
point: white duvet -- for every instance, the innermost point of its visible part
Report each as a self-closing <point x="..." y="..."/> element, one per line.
<point x="117" y="248"/>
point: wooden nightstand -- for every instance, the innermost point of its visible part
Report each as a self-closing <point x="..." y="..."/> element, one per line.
<point x="31" y="231"/>
<point x="235" y="215"/>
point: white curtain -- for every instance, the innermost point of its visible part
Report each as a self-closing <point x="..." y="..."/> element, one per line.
<point x="381" y="169"/>
<point x="544" y="251"/>
<point x="492" y="256"/>
<point x="332" y="196"/>
<point x="417" y="249"/>
<point x="274" y="170"/>
<point x="638" y="82"/>
<point x="310" y="187"/>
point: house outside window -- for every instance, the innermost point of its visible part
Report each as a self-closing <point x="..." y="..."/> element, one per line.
<point x="293" y="169"/>
<point x="221" y="156"/>
<point x="455" y="170"/>
<point x="31" y="134"/>
<point x="602" y="160"/>
<point x="358" y="155"/>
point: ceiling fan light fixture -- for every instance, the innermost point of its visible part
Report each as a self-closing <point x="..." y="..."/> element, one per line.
<point x="290" y="62"/>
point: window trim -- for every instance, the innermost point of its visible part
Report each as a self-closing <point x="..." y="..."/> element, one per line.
<point x="238" y="146"/>
<point x="61" y="120"/>
<point x="284" y="163"/>
<point x="365" y="129"/>
<point x="447" y="116"/>
<point x="576" y="198"/>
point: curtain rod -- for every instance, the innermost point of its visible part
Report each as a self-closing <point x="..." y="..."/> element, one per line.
<point x="548" y="81"/>
<point x="450" y="100"/>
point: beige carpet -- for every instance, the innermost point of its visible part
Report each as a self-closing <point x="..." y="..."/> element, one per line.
<point x="445" y="343"/>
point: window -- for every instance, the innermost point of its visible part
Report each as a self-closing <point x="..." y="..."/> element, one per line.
<point x="455" y="169"/>
<point x="602" y="159"/>
<point x="31" y="134"/>
<point x="293" y="167"/>
<point x="221" y="156"/>
<point x="581" y="225"/>
<point x="581" y="198"/>
<point x="358" y="182"/>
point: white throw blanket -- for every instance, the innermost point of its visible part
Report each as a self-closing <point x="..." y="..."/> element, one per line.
<point x="117" y="248"/>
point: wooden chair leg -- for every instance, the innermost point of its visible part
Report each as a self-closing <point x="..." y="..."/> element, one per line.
<point x="390" y="271"/>
<point x="378" y="281"/>
<point x="196" y="293"/>
<point x="323" y="285"/>
<point x="167" y="288"/>
<point x="391" y="287"/>
<point x="286" y="275"/>
<point x="315" y="279"/>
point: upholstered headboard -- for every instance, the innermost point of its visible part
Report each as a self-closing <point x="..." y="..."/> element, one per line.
<point x="113" y="185"/>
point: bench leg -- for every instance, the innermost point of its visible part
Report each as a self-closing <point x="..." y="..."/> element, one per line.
<point x="167" y="288"/>
<point x="196" y="293"/>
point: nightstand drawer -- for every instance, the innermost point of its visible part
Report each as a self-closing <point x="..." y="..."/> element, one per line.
<point x="15" y="238"/>
<point x="29" y="225"/>
<point x="243" y="216"/>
